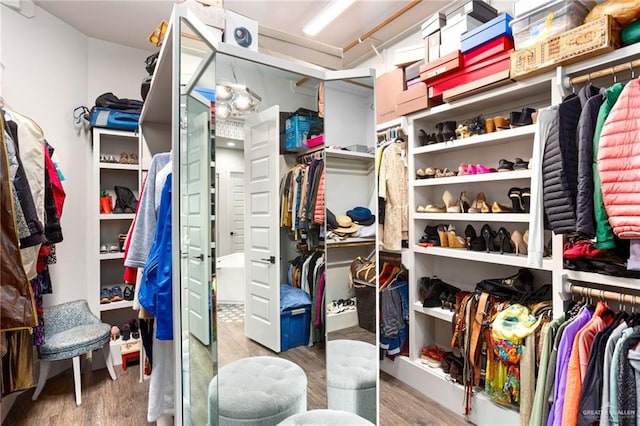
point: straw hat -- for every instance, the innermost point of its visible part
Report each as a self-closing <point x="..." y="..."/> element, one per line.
<point x="345" y="225"/>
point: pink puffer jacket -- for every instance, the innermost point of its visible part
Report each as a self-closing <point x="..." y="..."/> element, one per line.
<point x="619" y="163"/>
<point x="318" y="214"/>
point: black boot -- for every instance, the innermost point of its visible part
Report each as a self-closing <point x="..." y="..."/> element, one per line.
<point x="449" y="130"/>
<point x="439" y="137"/>
<point x="125" y="200"/>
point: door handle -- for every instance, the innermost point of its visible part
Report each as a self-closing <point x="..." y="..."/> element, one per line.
<point x="201" y="257"/>
<point x="271" y="259"/>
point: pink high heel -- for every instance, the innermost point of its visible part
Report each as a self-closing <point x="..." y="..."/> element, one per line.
<point x="463" y="169"/>
<point x="484" y="169"/>
<point x="472" y="169"/>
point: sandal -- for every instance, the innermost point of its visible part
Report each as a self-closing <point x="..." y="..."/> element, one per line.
<point x="113" y="248"/>
<point x="124" y="158"/>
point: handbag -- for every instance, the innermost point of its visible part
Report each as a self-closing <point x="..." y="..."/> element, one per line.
<point x="363" y="271"/>
<point x="434" y="291"/>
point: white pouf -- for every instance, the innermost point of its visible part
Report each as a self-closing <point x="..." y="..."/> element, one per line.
<point x="351" y="377"/>
<point x="257" y="391"/>
<point x="326" y="418"/>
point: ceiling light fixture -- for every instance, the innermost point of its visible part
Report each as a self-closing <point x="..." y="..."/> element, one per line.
<point x="231" y="144"/>
<point x="326" y="16"/>
<point x="233" y="100"/>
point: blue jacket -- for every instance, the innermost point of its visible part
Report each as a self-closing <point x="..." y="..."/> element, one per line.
<point x="155" y="293"/>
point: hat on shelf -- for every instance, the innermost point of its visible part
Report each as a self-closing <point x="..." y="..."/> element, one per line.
<point x="362" y="216"/>
<point x="345" y="225"/>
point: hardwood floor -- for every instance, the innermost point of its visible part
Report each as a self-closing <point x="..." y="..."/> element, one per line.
<point x="124" y="402"/>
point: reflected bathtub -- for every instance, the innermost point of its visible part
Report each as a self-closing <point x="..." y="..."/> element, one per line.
<point x="230" y="278"/>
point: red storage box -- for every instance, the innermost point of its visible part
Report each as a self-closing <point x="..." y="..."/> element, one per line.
<point x="479" y="70"/>
<point x="490" y="82"/>
<point x="494" y="47"/>
<point x="444" y="65"/>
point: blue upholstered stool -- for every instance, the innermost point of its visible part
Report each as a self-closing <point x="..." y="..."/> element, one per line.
<point x="70" y="330"/>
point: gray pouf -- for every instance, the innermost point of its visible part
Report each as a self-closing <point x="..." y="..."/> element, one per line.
<point x="351" y="377"/>
<point x="257" y="391"/>
<point x="326" y="418"/>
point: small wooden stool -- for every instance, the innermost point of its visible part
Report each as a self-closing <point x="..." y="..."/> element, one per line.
<point x="129" y="350"/>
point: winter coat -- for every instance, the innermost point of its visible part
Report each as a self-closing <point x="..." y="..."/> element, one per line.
<point x="17" y="309"/>
<point x="604" y="233"/>
<point x="560" y="164"/>
<point x="318" y="216"/>
<point x="586" y="129"/>
<point x="619" y="163"/>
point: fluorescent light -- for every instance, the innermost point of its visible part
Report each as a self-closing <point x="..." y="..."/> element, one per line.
<point x="231" y="144"/>
<point x="326" y="16"/>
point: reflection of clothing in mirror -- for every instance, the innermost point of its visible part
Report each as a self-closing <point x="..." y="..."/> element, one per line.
<point x="394" y="309"/>
<point x="393" y="187"/>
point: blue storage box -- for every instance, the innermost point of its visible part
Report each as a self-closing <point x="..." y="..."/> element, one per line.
<point x="296" y="130"/>
<point x="114" y="119"/>
<point x="294" y="327"/>
<point x="486" y="32"/>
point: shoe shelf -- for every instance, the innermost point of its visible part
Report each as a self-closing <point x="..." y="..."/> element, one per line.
<point x="109" y="256"/>
<point x="439" y="313"/>
<point x="595" y="278"/>
<point x="118" y="166"/>
<point x="117" y="216"/>
<point x="116" y="305"/>
<point x="480" y="141"/>
<point x="481" y="256"/>
<point x="474" y="217"/>
<point x="482" y="177"/>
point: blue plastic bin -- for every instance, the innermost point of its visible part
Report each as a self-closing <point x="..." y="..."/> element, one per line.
<point x="294" y="327"/>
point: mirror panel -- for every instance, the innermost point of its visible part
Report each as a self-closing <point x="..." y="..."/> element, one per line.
<point x="197" y="224"/>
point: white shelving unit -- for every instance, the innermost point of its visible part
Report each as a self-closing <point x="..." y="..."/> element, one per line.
<point x="108" y="268"/>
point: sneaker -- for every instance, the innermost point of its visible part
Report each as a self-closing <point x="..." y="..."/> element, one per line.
<point x="128" y="293"/>
<point x="105" y="295"/>
<point x="581" y="248"/>
<point x="116" y="294"/>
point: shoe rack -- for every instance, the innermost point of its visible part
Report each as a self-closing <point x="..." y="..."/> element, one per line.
<point x="116" y="162"/>
<point x="462" y="267"/>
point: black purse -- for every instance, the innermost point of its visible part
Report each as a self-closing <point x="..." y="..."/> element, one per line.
<point x="433" y="291"/>
<point x="513" y="288"/>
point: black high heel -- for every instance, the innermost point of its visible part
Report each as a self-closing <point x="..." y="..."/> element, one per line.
<point x="515" y="195"/>
<point x="423" y="138"/>
<point x="438" y="134"/>
<point x="470" y="235"/>
<point x="488" y="235"/>
<point x="505" y="241"/>
<point x="525" y="194"/>
<point x="449" y="130"/>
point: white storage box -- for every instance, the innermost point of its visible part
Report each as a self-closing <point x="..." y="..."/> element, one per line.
<point x="408" y="55"/>
<point x="433" y="24"/>
<point x="451" y="33"/>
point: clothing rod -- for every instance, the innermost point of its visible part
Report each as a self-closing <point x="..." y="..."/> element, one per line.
<point x="313" y="151"/>
<point x="595" y="293"/>
<point x="627" y="66"/>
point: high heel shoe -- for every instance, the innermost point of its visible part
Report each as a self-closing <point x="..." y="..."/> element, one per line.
<point x="505" y="241"/>
<point x="478" y="203"/>
<point x="449" y="130"/>
<point x="525" y="193"/>
<point x="451" y="205"/>
<point x="470" y="235"/>
<point x="518" y="242"/>
<point x="464" y="202"/>
<point x="439" y="137"/>
<point x="488" y="235"/>
<point x="442" y="234"/>
<point x="500" y="208"/>
<point x="455" y="241"/>
<point x="515" y="194"/>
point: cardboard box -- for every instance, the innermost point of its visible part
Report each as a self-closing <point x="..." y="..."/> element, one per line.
<point x="442" y="66"/>
<point x="433" y="24"/>
<point x="241" y="31"/>
<point x="433" y="43"/>
<point x="490" y="82"/>
<point x="414" y="92"/>
<point x="388" y="86"/>
<point x="413" y="71"/>
<point x="451" y="34"/>
<point x="469" y="74"/>
<point x="474" y="8"/>
<point x="585" y="41"/>
<point x="486" y="32"/>
<point x="413" y="82"/>
<point x="408" y="55"/>
<point x="487" y="50"/>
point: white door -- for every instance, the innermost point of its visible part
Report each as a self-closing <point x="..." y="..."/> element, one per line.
<point x="198" y="218"/>
<point x="237" y="212"/>
<point x="262" y="240"/>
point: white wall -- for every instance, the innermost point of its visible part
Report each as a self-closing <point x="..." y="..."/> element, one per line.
<point x="45" y="78"/>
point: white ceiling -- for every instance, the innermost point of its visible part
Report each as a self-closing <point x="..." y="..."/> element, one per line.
<point x="130" y="22"/>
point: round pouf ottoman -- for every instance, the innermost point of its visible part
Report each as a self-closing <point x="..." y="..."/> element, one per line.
<point x="352" y="377"/>
<point x="326" y="418"/>
<point x="257" y="391"/>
